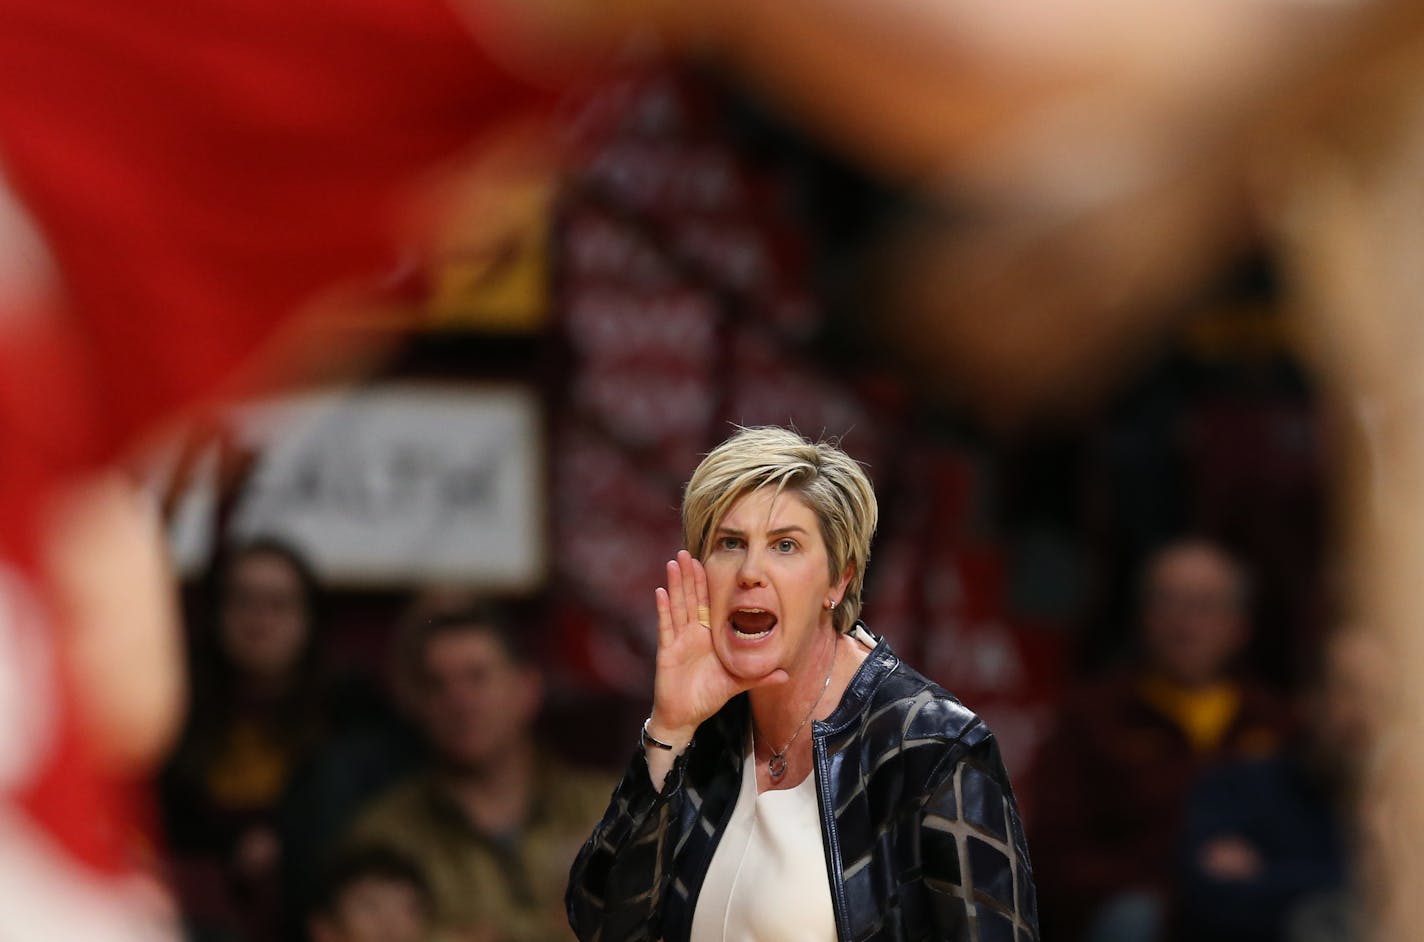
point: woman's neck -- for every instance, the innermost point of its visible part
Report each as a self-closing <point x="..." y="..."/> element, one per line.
<point x="813" y="691"/>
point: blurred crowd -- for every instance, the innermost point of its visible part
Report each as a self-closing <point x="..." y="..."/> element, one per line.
<point x="303" y="803"/>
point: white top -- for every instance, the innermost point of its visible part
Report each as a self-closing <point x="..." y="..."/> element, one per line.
<point x="768" y="880"/>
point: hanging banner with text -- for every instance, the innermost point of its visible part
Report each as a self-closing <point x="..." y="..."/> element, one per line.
<point x="385" y="486"/>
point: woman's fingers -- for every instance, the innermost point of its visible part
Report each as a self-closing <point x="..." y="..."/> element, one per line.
<point x="677" y="595"/>
<point x="699" y="582"/>
<point x="684" y="601"/>
<point x="666" y="634"/>
<point x="687" y="565"/>
<point x="689" y="605"/>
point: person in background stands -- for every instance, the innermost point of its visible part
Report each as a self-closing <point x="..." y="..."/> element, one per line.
<point x="1128" y="749"/>
<point x="493" y="821"/>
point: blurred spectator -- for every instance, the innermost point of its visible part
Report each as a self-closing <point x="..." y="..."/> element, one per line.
<point x="330" y="790"/>
<point x="494" y="821"/>
<point x="1266" y="852"/>
<point x="1117" y="770"/>
<point x="373" y="894"/>
<point x="263" y="700"/>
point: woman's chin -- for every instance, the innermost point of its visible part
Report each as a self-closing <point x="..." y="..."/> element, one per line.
<point x="745" y="664"/>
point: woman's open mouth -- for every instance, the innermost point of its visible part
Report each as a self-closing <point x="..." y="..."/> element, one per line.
<point x="752" y="624"/>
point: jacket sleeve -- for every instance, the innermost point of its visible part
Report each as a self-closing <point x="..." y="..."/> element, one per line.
<point x="618" y="881"/>
<point x="974" y="858"/>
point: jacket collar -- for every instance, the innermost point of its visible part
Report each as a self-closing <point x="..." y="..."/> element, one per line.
<point x="877" y="666"/>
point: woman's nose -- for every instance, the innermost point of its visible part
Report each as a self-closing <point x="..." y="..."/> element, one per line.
<point x="749" y="573"/>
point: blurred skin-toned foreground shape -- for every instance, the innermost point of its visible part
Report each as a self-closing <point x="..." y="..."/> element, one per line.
<point x="1103" y="158"/>
<point x="108" y="559"/>
<point x="1351" y="224"/>
<point x="1103" y="162"/>
<point x="1036" y="305"/>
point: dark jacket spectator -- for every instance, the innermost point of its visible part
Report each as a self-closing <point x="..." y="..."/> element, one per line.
<point x="1126" y="751"/>
<point x="1265" y="855"/>
<point x="1261" y="837"/>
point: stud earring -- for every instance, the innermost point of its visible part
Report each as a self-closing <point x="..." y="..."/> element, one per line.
<point x="831" y="604"/>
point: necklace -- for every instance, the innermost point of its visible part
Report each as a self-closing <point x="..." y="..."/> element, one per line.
<point x="776" y="765"/>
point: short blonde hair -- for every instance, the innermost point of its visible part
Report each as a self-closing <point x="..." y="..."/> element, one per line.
<point x="831" y="483"/>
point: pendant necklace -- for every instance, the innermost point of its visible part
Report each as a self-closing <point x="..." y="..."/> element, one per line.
<point x="776" y="765"/>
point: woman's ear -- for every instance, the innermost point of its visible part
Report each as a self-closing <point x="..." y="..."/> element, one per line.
<point x="840" y="587"/>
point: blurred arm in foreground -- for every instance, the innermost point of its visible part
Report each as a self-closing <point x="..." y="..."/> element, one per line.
<point x="1102" y="158"/>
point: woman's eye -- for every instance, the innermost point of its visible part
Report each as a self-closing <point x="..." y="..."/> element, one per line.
<point x="786" y="546"/>
<point x="729" y="543"/>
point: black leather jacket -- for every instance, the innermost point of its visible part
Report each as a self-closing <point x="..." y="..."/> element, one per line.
<point x="919" y="824"/>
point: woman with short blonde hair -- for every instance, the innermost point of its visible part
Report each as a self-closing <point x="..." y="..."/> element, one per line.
<point x="890" y="818"/>
<point x="834" y="486"/>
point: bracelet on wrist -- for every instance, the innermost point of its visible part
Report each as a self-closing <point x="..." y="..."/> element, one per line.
<point x="647" y="739"/>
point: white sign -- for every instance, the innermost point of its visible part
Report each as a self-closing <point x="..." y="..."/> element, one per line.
<point x="389" y="484"/>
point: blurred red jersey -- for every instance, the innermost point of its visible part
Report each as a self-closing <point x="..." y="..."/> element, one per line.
<point x="180" y="177"/>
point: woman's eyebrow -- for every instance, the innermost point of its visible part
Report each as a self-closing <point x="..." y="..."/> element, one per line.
<point x="731" y="531"/>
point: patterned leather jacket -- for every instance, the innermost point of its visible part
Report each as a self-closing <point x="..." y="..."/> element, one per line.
<point x="919" y="824"/>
